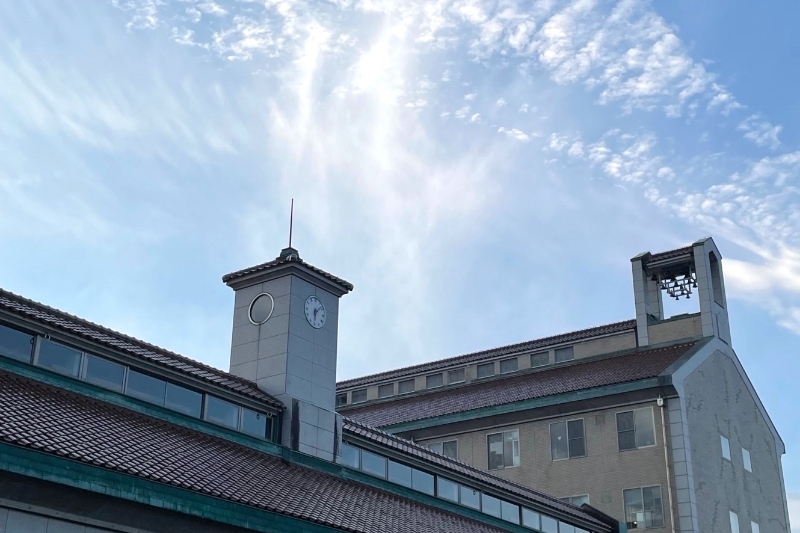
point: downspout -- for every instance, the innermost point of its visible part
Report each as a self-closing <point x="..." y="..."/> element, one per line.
<point x="660" y="402"/>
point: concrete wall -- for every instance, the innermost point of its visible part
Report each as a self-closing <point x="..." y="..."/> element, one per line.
<point x="718" y="402"/>
<point x="675" y="329"/>
<point x="603" y="473"/>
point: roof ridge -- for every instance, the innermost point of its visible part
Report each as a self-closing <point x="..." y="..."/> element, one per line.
<point x="490" y="352"/>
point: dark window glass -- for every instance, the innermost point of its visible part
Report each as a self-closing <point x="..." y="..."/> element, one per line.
<point x="456" y="376"/>
<point x="187" y="401"/>
<point x="422" y="481"/>
<point x="59" y="358"/>
<point x="470" y="497"/>
<point x="341" y="399"/>
<point x="446" y="489"/>
<point x="564" y="354"/>
<point x="559" y="447"/>
<point x="145" y="388"/>
<point x="104" y="373"/>
<point x="654" y="511"/>
<point x="15" y="344"/>
<point x="434" y="380"/>
<point x="406" y="386"/>
<point x="373" y="464"/>
<point x="540" y="359"/>
<point x="491" y="505"/>
<point x="450" y="448"/>
<point x="626" y="432"/>
<point x="253" y="423"/>
<point x="486" y="370"/>
<point x="222" y="412"/>
<point x="349" y="456"/>
<point x="400" y="474"/>
<point x="509" y="365"/>
<point x="358" y="396"/>
<point x="549" y="525"/>
<point x="510" y="512"/>
<point x="645" y="430"/>
<point x="577" y="444"/>
<point x="384" y="391"/>
<point x="495" y="443"/>
<point x="643" y="507"/>
<point x="634" y="510"/>
<point x="530" y="519"/>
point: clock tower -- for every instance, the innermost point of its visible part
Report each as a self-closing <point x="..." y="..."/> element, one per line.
<point x="285" y="325"/>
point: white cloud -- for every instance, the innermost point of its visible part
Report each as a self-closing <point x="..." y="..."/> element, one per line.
<point x="500" y="103"/>
<point x="760" y="131"/>
<point x="470" y="97"/>
<point x="515" y="134"/>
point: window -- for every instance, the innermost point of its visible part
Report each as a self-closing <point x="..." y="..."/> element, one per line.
<point x="734" y="522"/>
<point x="726" y="447"/>
<point x="253" y="423"/>
<point x="549" y="525"/>
<point x="446" y="489"/>
<point x="510" y="512"/>
<point x="456" y="376"/>
<point x="222" y="412"/>
<point x="404" y="387"/>
<point x="643" y="507"/>
<point x="448" y="448"/>
<point x="509" y="365"/>
<point x="186" y="401"/>
<point x="434" y="380"/>
<point x="576" y="500"/>
<point x="104" y="373"/>
<point x="503" y="449"/>
<point x="567" y="439"/>
<point x="531" y="519"/>
<point x="754" y="528"/>
<point x="565" y="354"/>
<point x="470" y="497"/>
<point x="384" y="391"/>
<point x="540" y="359"/>
<point x="341" y="399"/>
<point x="636" y="429"/>
<point x="400" y="474"/>
<point x="746" y="460"/>
<point x="563" y="527"/>
<point x="15" y="344"/>
<point x="59" y="358"/>
<point x="349" y="456"/>
<point x="359" y="396"/>
<point x="491" y="505"/>
<point x="373" y="464"/>
<point x="146" y="388"/>
<point x="422" y="481"/>
<point x="485" y="370"/>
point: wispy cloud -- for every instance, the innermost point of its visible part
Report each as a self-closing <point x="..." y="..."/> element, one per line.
<point x="760" y="131"/>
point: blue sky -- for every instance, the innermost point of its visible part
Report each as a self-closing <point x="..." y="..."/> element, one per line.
<point x="481" y="171"/>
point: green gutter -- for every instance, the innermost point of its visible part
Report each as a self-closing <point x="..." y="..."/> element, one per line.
<point x="524" y="405"/>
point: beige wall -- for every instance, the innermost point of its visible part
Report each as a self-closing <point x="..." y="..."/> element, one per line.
<point x="672" y="330"/>
<point x="602" y="474"/>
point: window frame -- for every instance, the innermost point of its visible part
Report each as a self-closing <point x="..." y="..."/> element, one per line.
<point x="352" y="393"/>
<point x="725" y="447"/>
<point x="547" y="353"/>
<point x="748" y="464"/>
<point x="503" y="442"/>
<point x="341" y="395"/>
<point x="653" y="420"/>
<point x="441" y="445"/>
<point x="384" y="385"/>
<point x="428" y="386"/>
<point x="562" y="348"/>
<point x="400" y="383"/>
<point x="641" y="495"/>
<point x="516" y="365"/>
<point x="484" y="365"/>
<point x="463" y="373"/>
<point x="566" y="426"/>
<point x="731" y="516"/>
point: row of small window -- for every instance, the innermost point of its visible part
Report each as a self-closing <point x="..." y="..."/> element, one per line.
<point x="446" y="489"/>
<point x="458" y="375"/>
<point x="123" y="379"/>
<point x="754" y="527"/>
<point x="726" y="453"/>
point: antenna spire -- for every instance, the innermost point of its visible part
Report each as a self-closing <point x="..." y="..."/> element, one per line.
<point x="291" y="221"/>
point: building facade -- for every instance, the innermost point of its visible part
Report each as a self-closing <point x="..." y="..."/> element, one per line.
<point x="652" y="421"/>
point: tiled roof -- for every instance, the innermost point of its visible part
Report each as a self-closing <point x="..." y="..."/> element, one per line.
<point x="285" y="259"/>
<point x="53" y="318"/>
<point x="631" y="366"/>
<point x="669" y="254"/>
<point x="408" y="447"/>
<point x="573" y="336"/>
<point x="53" y="421"/>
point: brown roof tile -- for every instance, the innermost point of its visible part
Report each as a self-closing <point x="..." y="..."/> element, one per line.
<point x="580" y="375"/>
<point x="669" y="254"/>
<point x="285" y="259"/>
<point x="607" y="329"/>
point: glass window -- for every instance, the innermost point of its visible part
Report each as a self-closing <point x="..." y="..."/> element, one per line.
<point x="15" y="344"/>
<point x="373" y="464"/>
<point x="567" y="439"/>
<point x="636" y="429"/>
<point x="422" y="481"/>
<point x="222" y="412"/>
<point x="358" y="396"/>
<point x="400" y="474"/>
<point x="754" y="528"/>
<point x="643" y="507"/>
<point x="491" y="505"/>
<point x="746" y="460"/>
<point x="734" y="522"/>
<point x="565" y="354"/>
<point x="341" y="399"/>
<point x="726" y="447"/>
<point x="470" y="497"/>
<point x="253" y="423"/>
<point x="485" y="370"/>
<point x="577" y="443"/>
<point x="434" y="380"/>
<point x="349" y="456"/>
<point x="446" y="489"/>
<point x="59" y="358"/>
<point x="406" y="386"/>
<point x="104" y="373"/>
<point x="145" y="388"/>
<point x="626" y="431"/>
<point x="509" y="365"/>
<point x="190" y="403"/>
<point x="579" y="500"/>
<point x="549" y="525"/>
<point x="495" y="444"/>
<point x="386" y="390"/>
<point x="503" y="449"/>
<point x="456" y="376"/>
<point x="540" y="359"/>
<point x="510" y="512"/>
<point x="530" y="519"/>
<point x="448" y="448"/>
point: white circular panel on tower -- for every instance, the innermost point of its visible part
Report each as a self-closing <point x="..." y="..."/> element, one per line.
<point x="261" y="308"/>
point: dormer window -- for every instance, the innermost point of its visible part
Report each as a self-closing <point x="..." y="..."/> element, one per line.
<point x="486" y="370"/>
<point x="406" y="386"/>
<point x="358" y="396"/>
<point x="565" y="354"/>
<point x="434" y="381"/>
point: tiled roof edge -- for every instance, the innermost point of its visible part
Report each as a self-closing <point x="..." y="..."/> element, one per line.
<point x="670" y="254"/>
<point x="583" y="334"/>
<point x="282" y="261"/>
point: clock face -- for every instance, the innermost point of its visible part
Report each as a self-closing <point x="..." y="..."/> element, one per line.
<point x="315" y="312"/>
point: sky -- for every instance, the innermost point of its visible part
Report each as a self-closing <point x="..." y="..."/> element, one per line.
<point x="481" y="171"/>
